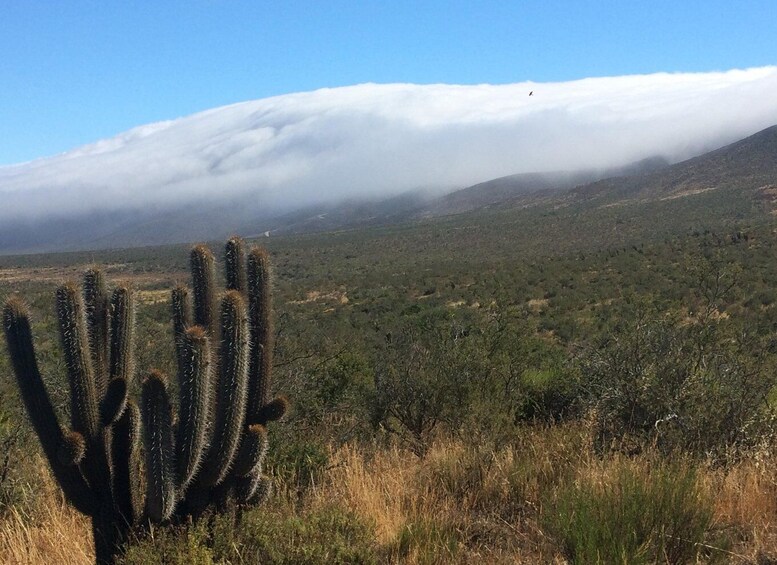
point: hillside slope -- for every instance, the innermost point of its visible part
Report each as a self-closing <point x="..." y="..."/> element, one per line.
<point x="748" y="164"/>
<point x="744" y="171"/>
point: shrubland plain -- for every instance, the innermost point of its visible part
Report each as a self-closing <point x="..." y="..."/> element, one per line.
<point x="565" y="379"/>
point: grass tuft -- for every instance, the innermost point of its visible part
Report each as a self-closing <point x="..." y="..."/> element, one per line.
<point x="632" y="513"/>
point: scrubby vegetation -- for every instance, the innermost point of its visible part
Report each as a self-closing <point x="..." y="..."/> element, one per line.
<point x="589" y="387"/>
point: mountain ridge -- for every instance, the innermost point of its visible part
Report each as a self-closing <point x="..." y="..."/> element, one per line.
<point x="748" y="165"/>
<point x="751" y="161"/>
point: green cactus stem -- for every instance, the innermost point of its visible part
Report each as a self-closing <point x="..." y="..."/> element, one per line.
<point x="122" y="359"/>
<point x="97" y="324"/>
<point x="252" y="451"/>
<point x="114" y="401"/>
<point x="204" y="284"/>
<point x="234" y="263"/>
<point x="157" y="415"/>
<point x="232" y="389"/>
<point x="260" y="316"/>
<point x="75" y="345"/>
<point x="194" y="387"/>
<point x="124" y="454"/>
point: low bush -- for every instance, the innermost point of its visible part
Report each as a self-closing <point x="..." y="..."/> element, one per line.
<point x="327" y="535"/>
<point x="426" y="542"/>
<point x="549" y="395"/>
<point x="474" y="377"/>
<point x="171" y="546"/>
<point x="633" y="515"/>
<point x="297" y="463"/>
<point x="699" y="386"/>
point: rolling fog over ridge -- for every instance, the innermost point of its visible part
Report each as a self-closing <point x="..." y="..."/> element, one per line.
<point x="744" y="171"/>
<point x="377" y="141"/>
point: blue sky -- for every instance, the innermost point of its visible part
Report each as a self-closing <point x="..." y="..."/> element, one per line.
<point x="77" y="71"/>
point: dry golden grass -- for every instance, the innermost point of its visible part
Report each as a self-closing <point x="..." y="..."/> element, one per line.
<point x="377" y="489"/>
<point x="458" y="504"/>
<point x="153" y="296"/>
<point x="746" y="502"/>
<point x="46" y="530"/>
<point x="491" y="500"/>
<point x="12" y="275"/>
<point x="57" y="534"/>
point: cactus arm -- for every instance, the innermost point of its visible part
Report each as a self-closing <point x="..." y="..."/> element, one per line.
<point x="18" y="334"/>
<point x="109" y="341"/>
<point x="253" y="448"/>
<point x="70" y="312"/>
<point x="182" y="311"/>
<point x="204" y="284"/>
<point x="271" y="412"/>
<point x="72" y="449"/>
<point x="232" y="389"/>
<point x="249" y="485"/>
<point x="121" y="360"/>
<point x="261" y="329"/>
<point x="195" y="401"/>
<point x="262" y="490"/>
<point x="114" y="402"/>
<point x="85" y="411"/>
<point x="122" y="341"/>
<point x="234" y="260"/>
<point x="126" y="484"/>
<point x="252" y="489"/>
<point x="97" y="325"/>
<point x="157" y="417"/>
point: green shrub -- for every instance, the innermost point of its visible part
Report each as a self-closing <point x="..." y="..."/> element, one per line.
<point x="171" y="546"/>
<point x="462" y="374"/>
<point x="334" y="388"/>
<point x="698" y="386"/>
<point x="415" y="391"/>
<point x="19" y="480"/>
<point x="297" y="463"/>
<point x="343" y="381"/>
<point x="324" y="536"/>
<point x="427" y="542"/>
<point x="658" y="516"/>
<point x="547" y="394"/>
<point x="321" y="537"/>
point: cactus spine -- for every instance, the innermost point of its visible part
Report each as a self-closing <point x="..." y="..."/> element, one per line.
<point x="212" y="455"/>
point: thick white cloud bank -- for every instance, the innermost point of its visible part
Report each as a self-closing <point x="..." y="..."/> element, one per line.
<point x="378" y="140"/>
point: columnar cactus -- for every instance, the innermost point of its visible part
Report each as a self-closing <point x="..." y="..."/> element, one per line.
<point x="206" y="458"/>
<point x="92" y="460"/>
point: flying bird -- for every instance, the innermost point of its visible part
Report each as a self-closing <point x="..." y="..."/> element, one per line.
<point x="531" y="93"/>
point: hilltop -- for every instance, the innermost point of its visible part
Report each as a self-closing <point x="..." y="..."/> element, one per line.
<point x="740" y="176"/>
